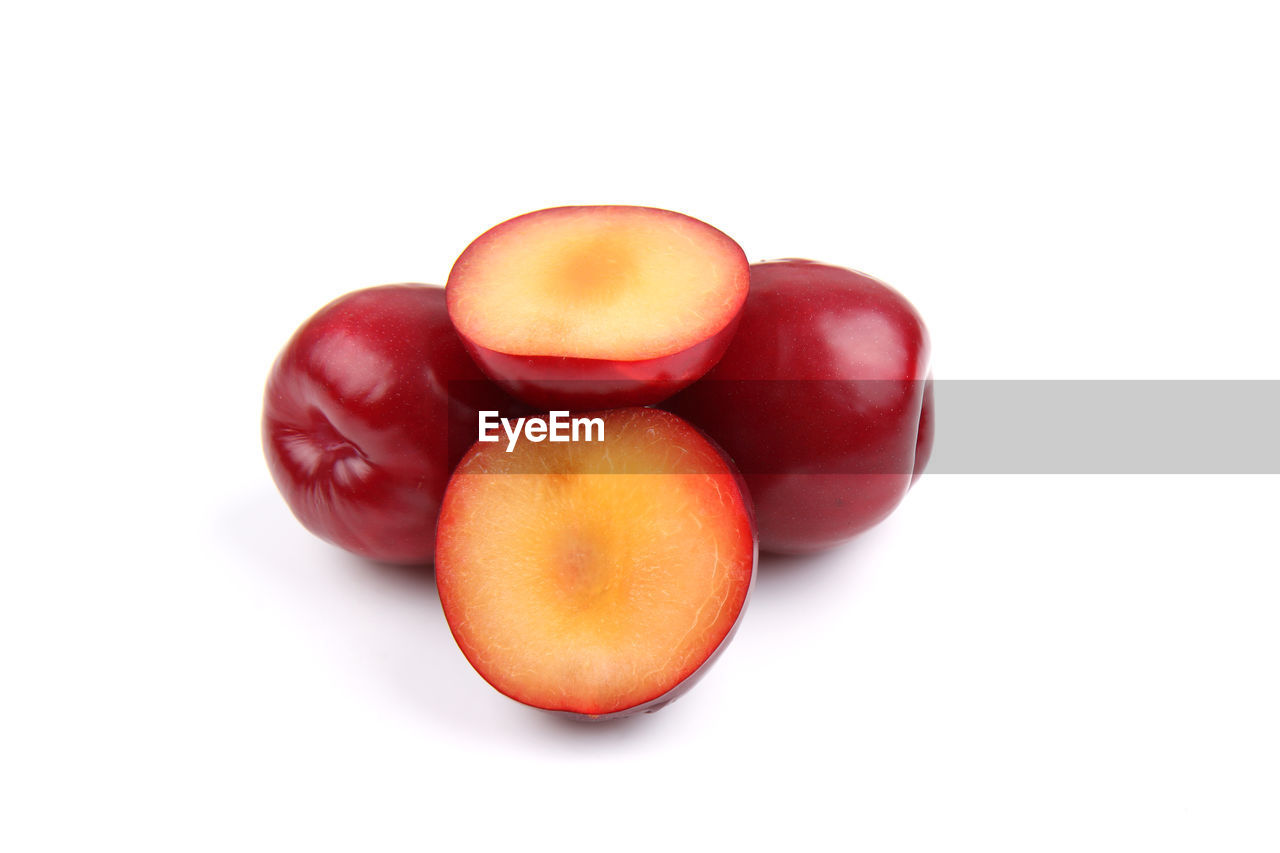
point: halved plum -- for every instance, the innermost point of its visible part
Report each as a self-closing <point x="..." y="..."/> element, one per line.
<point x="598" y="306"/>
<point x="596" y="578"/>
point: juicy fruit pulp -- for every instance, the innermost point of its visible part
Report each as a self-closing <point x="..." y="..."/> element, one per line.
<point x="823" y="400"/>
<point x="596" y="578"/>
<point x="598" y="305"/>
<point x="358" y="416"/>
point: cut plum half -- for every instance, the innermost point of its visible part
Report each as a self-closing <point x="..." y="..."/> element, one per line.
<point x="598" y="306"/>
<point x="596" y="578"/>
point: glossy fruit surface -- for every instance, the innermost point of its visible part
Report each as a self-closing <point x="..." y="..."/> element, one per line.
<point x="597" y="306"/>
<point x="366" y="410"/>
<point x="823" y="399"/>
<point x="596" y="578"/>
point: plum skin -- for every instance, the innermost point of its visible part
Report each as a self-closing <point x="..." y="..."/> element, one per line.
<point x="364" y="416"/>
<point x="824" y="399"/>
<point x="552" y="382"/>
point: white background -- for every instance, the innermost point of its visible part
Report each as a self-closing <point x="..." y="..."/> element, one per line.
<point x="1080" y="190"/>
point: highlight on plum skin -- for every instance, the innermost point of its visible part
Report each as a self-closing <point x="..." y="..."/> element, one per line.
<point x="824" y="399"/>
<point x="598" y="306"/>
<point x="596" y="579"/>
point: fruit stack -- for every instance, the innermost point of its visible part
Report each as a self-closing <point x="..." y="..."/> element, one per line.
<point x="593" y="561"/>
